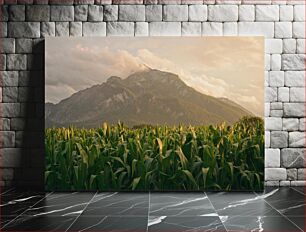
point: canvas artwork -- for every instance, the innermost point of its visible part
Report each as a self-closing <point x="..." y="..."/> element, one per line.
<point x="154" y="114"/>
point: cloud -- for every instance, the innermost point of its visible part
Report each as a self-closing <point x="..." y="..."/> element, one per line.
<point x="83" y="67"/>
<point x="154" y="61"/>
<point x="56" y="93"/>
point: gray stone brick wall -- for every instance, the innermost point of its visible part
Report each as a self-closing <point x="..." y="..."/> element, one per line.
<point x="25" y="23"/>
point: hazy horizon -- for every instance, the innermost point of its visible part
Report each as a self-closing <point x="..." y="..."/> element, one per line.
<point x="223" y="67"/>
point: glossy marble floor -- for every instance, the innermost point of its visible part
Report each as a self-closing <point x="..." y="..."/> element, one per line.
<point x="274" y="210"/>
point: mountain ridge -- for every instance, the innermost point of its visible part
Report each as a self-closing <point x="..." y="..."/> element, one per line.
<point x="148" y="97"/>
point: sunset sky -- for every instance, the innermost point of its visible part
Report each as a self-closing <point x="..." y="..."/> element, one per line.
<point x="231" y="67"/>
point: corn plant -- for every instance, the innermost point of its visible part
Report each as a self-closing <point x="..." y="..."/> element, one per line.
<point x="157" y="158"/>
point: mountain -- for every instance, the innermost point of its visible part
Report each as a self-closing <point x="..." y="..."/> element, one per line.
<point x="149" y="97"/>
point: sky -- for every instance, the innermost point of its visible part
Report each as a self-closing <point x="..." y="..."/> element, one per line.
<point x="230" y="67"/>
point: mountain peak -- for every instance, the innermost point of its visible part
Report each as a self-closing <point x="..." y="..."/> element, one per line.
<point x="113" y="79"/>
<point x="147" y="67"/>
<point x="153" y="75"/>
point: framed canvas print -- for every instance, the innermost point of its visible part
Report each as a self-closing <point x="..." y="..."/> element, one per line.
<point x="154" y="113"/>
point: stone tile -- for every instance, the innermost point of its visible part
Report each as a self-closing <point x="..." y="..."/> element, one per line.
<point x="302" y="125"/>
<point x="62" y="13"/>
<point x="128" y="224"/>
<point x="15" y="203"/>
<point x="47" y="29"/>
<point x="24" y="29"/>
<point x="118" y="204"/>
<point x="300" y="48"/>
<point x="276" y="62"/>
<point x="9" y="94"/>
<point x="212" y="29"/>
<point x="191" y="29"/>
<point x="38" y="13"/>
<point x="180" y="204"/>
<point x="286" y="13"/>
<point x="120" y="28"/>
<point x="2" y="62"/>
<point x="17" y="13"/>
<point x="275" y="174"/>
<point x="301" y="174"/>
<point x="141" y="29"/>
<point x="110" y="12"/>
<point x="8" y="45"/>
<point x="175" y="13"/>
<point x="267" y="139"/>
<point x="154" y="13"/>
<point x="222" y="13"/>
<point x="292" y="157"/>
<point x="240" y="203"/>
<point x="197" y="13"/>
<point x="95" y="13"/>
<point x="273" y="46"/>
<point x="230" y="28"/>
<point x="297" y="94"/>
<point x="277" y="78"/>
<point x="16" y="62"/>
<point x="61" y="204"/>
<point x="62" y="29"/>
<point x="294" y="110"/>
<point x="287" y="201"/>
<point x="272" y="158"/>
<point x="290" y="124"/>
<point x="4" y="16"/>
<point x="299" y="13"/>
<point x="295" y="78"/>
<point x="273" y="123"/>
<point x="266" y="223"/>
<point x="75" y="29"/>
<point x="298" y="221"/>
<point x="24" y="45"/>
<point x="246" y="13"/>
<point x="296" y="139"/>
<point x="11" y="109"/>
<point x="131" y="13"/>
<point x="291" y="174"/>
<point x="289" y="46"/>
<point x="42" y="223"/>
<point x="293" y="62"/>
<point x="165" y="29"/>
<point x="301" y="190"/>
<point x="298" y="30"/>
<point x="267" y="13"/>
<point x="279" y="139"/>
<point x="94" y="29"/>
<point x="283" y="30"/>
<point x="80" y="12"/>
<point x="180" y="224"/>
<point x="256" y="28"/>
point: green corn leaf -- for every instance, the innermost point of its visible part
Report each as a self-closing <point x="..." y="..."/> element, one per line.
<point x="83" y="154"/>
<point x="160" y="145"/>
<point x="205" y="173"/>
<point x="182" y="157"/>
<point x="135" y="183"/>
<point x="47" y="173"/>
<point x="91" y="181"/>
<point x="134" y="164"/>
<point x="190" y="177"/>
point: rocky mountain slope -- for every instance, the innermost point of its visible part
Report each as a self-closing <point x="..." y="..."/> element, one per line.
<point x="149" y="97"/>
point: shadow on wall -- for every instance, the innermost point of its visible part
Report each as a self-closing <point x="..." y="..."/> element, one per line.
<point x="31" y="139"/>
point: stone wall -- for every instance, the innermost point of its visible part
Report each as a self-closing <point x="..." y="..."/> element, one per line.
<point x="25" y="23"/>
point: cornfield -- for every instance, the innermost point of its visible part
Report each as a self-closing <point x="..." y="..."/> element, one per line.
<point x="157" y="158"/>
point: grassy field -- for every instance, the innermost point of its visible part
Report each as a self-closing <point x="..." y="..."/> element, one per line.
<point x="156" y="158"/>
